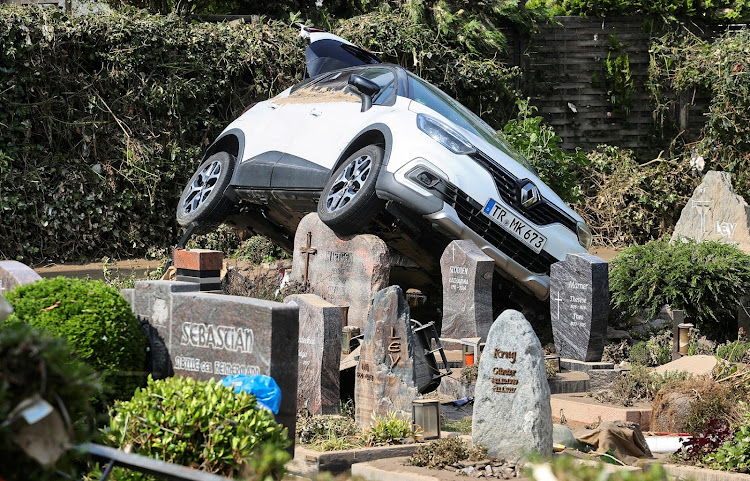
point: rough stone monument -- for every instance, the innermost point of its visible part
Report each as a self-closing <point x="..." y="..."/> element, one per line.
<point x="579" y="306"/>
<point x="715" y="212"/>
<point x="214" y="336"/>
<point x="14" y="273"/>
<point x="512" y="415"/>
<point x="346" y="271"/>
<point x="319" y="354"/>
<point x="467" y="292"/>
<point x="385" y="374"/>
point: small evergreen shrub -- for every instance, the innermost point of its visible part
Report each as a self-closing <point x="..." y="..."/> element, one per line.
<point x="67" y="384"/>
<point x="96" y="321"/>
<point x="199" y="424"/>
<point x="705" y="279"/>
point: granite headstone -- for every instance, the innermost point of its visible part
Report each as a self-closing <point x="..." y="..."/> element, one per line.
<point x="214" y="336"/>
<point x="715" y="212"/>
<point x="14" y="273"/>
<point x="579" y="306"/>
<point x="467" y="292"/>
<point x="512" y="415"/>
<point x="319" y="354"/>
<point x="385" y="374"/>
<point x="346" y="271"/>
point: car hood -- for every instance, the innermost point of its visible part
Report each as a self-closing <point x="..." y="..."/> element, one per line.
<point x="327" y="52"/>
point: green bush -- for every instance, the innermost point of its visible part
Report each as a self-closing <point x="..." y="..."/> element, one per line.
<point x="194" y="423"/>
<point x="735" y="454"/>
<point x="385" y="430"/>
<point x="705" y="279"/>
<point x="626" y="203"/>
<point x="67" y="384"/>
<point x="96" y="321"/>
<point x="654" y="352"/>
<point x="721" y="11"/>
<point x="736" y="351"/>
<point x="540" y="145"/>
<point x="328" y="432"/>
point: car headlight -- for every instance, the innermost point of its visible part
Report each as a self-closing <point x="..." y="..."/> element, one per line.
<point x="584" y="235"/>
<point x="445" y="134"/>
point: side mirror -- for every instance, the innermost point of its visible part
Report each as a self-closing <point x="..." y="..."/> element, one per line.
<point x="367" y="88"/>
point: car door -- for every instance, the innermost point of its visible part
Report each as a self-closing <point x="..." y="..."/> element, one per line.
<point x="335" y="117"/>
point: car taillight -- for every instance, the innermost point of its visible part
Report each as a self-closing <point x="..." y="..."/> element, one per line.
<point x="249" y="107"/>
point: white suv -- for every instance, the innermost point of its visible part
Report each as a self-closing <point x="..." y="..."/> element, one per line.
<point x="360" y="140"/>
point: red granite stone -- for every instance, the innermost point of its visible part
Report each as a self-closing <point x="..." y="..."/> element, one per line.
<point x="198" y="259"/>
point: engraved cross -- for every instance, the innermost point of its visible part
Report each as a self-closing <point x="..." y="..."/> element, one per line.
<point x="307" y="251"/>
<point x="559" y="299"/>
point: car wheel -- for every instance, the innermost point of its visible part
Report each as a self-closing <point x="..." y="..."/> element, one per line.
<point x="203" y="200"/>
<point x="348" y="201"/>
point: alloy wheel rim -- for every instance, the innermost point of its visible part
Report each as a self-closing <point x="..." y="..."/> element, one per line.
<point x="202" y="186"/>
<point x="348" y="184"/>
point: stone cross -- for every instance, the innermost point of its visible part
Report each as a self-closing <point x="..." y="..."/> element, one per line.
<point x="307" y="251"/>
<point x="579" y="297"/>
<point x="512" y="415"/>
<point x="346" y="271"/>
<point x="467" y="292"/>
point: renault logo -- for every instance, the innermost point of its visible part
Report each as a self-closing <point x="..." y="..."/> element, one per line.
<point x="529" y="195"/>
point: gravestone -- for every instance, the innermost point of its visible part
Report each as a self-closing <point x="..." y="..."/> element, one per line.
<point x="385" y="374"/>
<point x="346" y="271"/>
<point x="467" y="292"/>
<point x="579" y="306"/>
<point x="214" y="336"/>
<point x="512" y="415"/>
<point x="14" y="273"/>
<point x="715" y="212"/>
<point x="319" y="354"/>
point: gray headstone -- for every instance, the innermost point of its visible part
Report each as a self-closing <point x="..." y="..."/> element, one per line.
<point x="214" y="336"/>
<point x="319" y="354"/>
<point x="715" y="212"/>
<point x="579" y="306"/>
<point x="346" y="271"/>
<point x="385" y="374"/>
<point x="14" y="273"/>
<point x="512" y="415"/>
<point x="467" y="292"/>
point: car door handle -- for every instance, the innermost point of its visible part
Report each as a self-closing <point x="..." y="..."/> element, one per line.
<point x="316" y="113"/>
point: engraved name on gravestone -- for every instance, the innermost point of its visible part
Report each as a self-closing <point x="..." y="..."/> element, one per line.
<point x="467" y="292"/>
<point x="14" y="273"/>
<point x="512" y="414"/>
<point x="319" y="354"/>
<point x="579" y="306"/>
<point x="214" y="336"/>
<point x="346" y="271"/>
<point x="384" y="379"/>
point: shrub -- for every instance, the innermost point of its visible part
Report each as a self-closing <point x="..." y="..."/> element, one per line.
<point x="194" y="423"/>
<point x="67" y="385"/>
<point x="258" y="249"/>
<point x="385" y="430"/>
<point x="328" y="432"/>
<point x="721" y="11"/>
<point x="705" y="279"/>
<point x="96" y="321"/>
<point x="653" y="352"/>
<point x="626" y="203"/>
<point x="733" y="455"/>
<point x="736" y="351"/>
<point x="705" y="442"/>
<point x="539" y="143"/>
<point x="638" y="384"/>
<point x="439" y="454"/>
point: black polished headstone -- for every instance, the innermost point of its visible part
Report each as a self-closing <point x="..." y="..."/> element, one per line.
<point x="579" y="306"/>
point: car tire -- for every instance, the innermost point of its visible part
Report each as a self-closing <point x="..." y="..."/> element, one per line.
<point x="203" y="201"/>
<point x="348" y="201"/>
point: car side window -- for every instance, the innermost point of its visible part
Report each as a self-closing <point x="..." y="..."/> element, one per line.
<point x="386" y="80"/>
<point x="331" y="88"/>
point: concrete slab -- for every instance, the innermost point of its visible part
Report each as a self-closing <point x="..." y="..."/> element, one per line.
<point x="569" y="382"/>
<point x="583" y="409"/>
<point x="308" y="462"/>
<point x="693" y="364"/>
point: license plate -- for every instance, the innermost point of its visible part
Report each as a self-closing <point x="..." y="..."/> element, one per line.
<point x="508" y="220"/>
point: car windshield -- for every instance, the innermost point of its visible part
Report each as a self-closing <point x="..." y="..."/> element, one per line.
<point x="434" y="98"/>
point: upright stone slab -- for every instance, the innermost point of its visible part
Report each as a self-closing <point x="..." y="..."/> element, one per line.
<point x="14" y="273"/>
<point x="319" y="354"/>
<point x="214" y="336"/>
<point x="346" y="271"/>
<point x="715" y="212"/>
<point x="467" y="292"/>
<point x="512" y="415"/>
<point x="385" y="373"/>
<point x="579" y="306"/>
